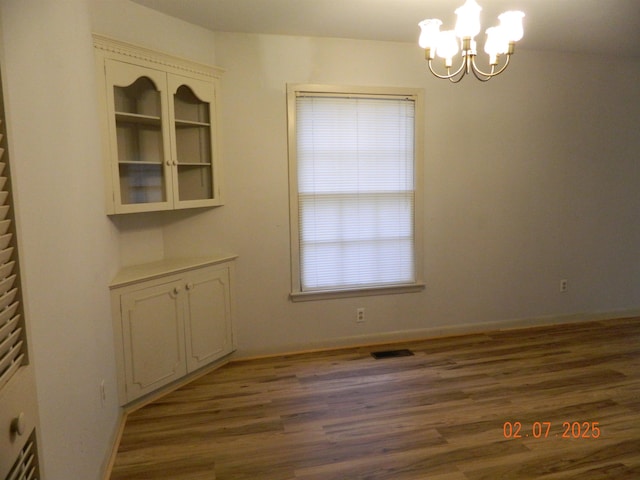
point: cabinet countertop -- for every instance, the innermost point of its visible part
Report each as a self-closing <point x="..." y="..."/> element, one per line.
<point x="148" y="271"/>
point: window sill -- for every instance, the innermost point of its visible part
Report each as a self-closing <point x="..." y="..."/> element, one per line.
<point x="360" y="292"/>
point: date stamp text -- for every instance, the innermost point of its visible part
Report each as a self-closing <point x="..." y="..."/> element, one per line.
<point x="569" y="430"/>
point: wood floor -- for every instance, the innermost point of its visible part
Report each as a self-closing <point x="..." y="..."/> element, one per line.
<point x="437" y="415"/>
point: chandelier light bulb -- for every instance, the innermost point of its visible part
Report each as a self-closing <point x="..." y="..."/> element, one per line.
<point x="468" y="23"/>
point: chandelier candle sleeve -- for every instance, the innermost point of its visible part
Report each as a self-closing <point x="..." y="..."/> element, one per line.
<point x="496" y="44"/>
<point x="468" y="23"/>
<point x="446" y="44"/>
<point x="511" y="23"/>
<point x="430" y="30"/>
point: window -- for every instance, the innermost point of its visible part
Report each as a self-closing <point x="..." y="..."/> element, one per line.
<point x="355" y="190"/>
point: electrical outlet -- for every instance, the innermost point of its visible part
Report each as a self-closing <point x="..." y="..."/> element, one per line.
<point x="564" y="285"/>
<point x="360" y="315"/>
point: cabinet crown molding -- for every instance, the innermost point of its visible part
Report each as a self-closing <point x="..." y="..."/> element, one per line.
<point x="117" y="48"/>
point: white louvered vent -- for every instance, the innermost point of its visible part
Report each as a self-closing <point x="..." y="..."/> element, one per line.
<point x="12" y="345"/>
<point x="26" y="466"/>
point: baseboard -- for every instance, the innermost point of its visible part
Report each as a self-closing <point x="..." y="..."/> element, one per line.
<point x="399" y="336"/>
<point x="117" y="435"/>
<point x="129" y="408"/>
<point x="141" y="402"/>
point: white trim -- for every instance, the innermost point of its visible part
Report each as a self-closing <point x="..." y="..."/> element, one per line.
<point x="126" y="410"/>
<point x="399" y="336"/>
<point x="356" y="292"/>
<point x="353" y="90"/>
<point x="112" y="47"/>
<point x="417" y="95"/>
<point x="168" y="266"/>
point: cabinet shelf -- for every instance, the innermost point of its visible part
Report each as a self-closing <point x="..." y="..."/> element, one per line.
<point x="137" y="162"/>
<point x="190" y="124"/>
<point x="137" y="118"/>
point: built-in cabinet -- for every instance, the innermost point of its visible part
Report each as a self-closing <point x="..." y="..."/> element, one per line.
<point x="171" y="318"/>
<point x="160" y="129"/>
<point x="159" y="119"/>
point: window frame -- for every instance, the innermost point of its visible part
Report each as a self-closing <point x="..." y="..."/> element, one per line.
<point x="417" y="95"/>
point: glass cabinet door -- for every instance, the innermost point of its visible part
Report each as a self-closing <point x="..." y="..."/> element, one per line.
<point x="140" y="139"/>
<point x="159" y="128"/>
<point x="194" y="147"/>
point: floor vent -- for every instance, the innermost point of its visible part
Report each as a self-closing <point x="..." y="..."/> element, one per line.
<point x="392" y="354"/>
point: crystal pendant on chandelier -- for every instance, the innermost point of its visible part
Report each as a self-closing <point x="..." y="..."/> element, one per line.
<point x="446" y="44"/>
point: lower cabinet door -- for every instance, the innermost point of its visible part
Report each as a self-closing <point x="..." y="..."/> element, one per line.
<point x="208" y="317"/>
<point x="153" y="337"/>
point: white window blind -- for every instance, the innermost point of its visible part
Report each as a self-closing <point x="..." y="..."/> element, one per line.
<point x="355" y="164"/>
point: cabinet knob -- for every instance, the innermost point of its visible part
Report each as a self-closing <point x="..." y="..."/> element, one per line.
<point x="18" y="424"/>
<point x="189" y="286"/>
<point x="168" y="163"/>
<point x="176" y="290"/>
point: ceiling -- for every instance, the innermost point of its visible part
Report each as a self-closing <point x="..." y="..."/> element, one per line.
<point x="583" y="26"/>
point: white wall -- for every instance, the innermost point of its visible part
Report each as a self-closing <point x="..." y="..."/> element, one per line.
<point x="68" y="245"/>
<point x="141" y="236"/>
<point x="530" y="179"/>
<point x="133" y="23"/>
<point x="70" y="249"/>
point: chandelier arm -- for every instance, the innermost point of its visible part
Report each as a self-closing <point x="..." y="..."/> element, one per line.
<point x="493" y="73"/>
<point x="457" y="80"/>
<point x="500" y="41"/>
<point x="506" y="63"/>
<point x="480" y="75"/>
<point x="449" y="76"/>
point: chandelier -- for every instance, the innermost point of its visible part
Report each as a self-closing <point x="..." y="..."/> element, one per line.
<point x="445" y="44"/>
